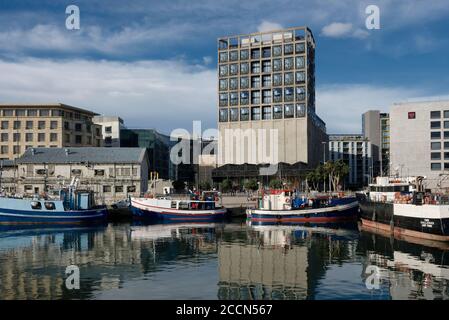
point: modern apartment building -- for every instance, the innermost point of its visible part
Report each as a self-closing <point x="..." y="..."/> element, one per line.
<point x="24" y="126"/>
<point x="266" y="99"/>
<point x="376" y="127"/>
<point x="419" y="142"/>
<point x="356" y="151"/>
<point x="110" y="129"/>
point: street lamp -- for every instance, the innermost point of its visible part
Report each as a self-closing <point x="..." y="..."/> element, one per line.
<point x="324" y="161"/>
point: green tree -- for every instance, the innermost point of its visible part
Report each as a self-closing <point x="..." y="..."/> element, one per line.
<point x="340" y="172"/>
<point x="226" y="185"/>
<point x="276" y="184"/>
<point x="251" y="184"/>
<point x="205" y="185"/>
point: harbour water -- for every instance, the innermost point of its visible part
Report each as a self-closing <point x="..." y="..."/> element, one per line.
<point x="232" y="260"/>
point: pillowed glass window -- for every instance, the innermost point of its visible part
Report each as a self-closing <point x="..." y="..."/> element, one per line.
<point x="446" y="145"/>
<point x="277" y="51"/>
<point x="277" y="95"/>
<point x="244" y="97"/>
<point x="435" y="135"/>
<point x="300" y="93"/>
<point x="435" y="166"/>
<point x="435" y="155"/>
<point x="223" y="70"/>
<point x="300" y="47"/>
<point x="32" y="113"/>
<point x="255" y="53"/>
<point x="255" y="82"/>
<point x="223" y="99"/>
<point x="288" y="48"/>
<point x="234" y="98"/>
<point x="288" y="94"/>
<point x="234" y="114"/>
<point x="446" y="166"/>
<point x="266" y="96"/>
<point x="266" y="81"/>
<point x="435" y="114"/>
<point x="266" y="66"/>
<point x="8" y="112"/>
<point x="300" y="77"/>
<point x="223" y="84"/>
<point x="244" y="68"/>
<point x="288" y="78"/>
<point x="255" y="67"/>
<point x="288" y="63"/>
<point x="244" y="114"/>
<point x="446" y="124"/>
<point x="255" y="113"/>
<point x="435" y="125"/>
<point x="223" y="56"/>
<point x="233" y="83"/>
<point x="244" y="54"/>
<point x="446" y="155"/>
<point x="435" y="145"/>
<point x="300" y="110"/>
<point x="446" y="134"/>
<point x="277" y="112"/>
<point x="277" y="79"/>
<point x="266" y="113"/>
<point x="233" y="69"/>
<point x="299" y="62"/>
<point x="277" y="64"/>
<point x="255" y="97"/>
<point x="446" y="113"/>
<point x="223" y="44"/>
<point x="233" y="55"/>
<point x="266" y="52"/>
<point x="223" y="115"/>
<point x="244" y="83"/>
<point x="289" y="111"/>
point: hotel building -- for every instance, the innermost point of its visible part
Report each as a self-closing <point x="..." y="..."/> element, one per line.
<point x="24" y="126"/>
<point x="266" y="81"/>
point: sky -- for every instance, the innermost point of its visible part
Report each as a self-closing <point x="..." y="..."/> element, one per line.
<point x="154" y="63"/>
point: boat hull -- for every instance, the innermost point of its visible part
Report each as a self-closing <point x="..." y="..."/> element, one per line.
<point x="338" y="213"/>
<point x="12" y="216"/>
<point x="406" y="220"/>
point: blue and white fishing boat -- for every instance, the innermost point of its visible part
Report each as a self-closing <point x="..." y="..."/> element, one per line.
<point x="69" y="206"/>
<point x="283" y="206"/>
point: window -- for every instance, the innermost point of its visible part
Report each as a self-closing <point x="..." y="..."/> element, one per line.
<point x="446" y="155"/>
<point x="233" y="55"/>
<point x="234" y="98"/>
<point x="288" y="94"/>
<point x="277" y="79"/>
<point x="435" y="166"/>
<point x="53" y="137"/>
<point x="223" y="84"/>
<point x="255" y="97"/>
<point x="299" y="62"/>
<point x="108" y="129"/>
<point x="76" y="172"/>
<point x="99" y="172"/>
<point x="255" y="53"/>
<point x="41" y="137"/>
<point x="288" y="78"/>
<point x="16" y="137"/>
<point x="266" y="113"/>
<point x="223" y="99"/>
<point x="20" y="112"/>
<point x="29" y="125"/>
<point x="255" y="82"/>
<point x="5" y="124"/>
<point x="300" y="77"/>
<point x="118" y="189"/>
<point x="446" y="124"/>
<point x="4" y="149"/>
<point x="131" y="189"/>
<point x="288" y="63"/>
<point x="223" y="115"/>
<point x="289" y="111"/>
<point x="300" y="93"/>
<point x="78" y="127"/>
<point x="16" y="125"/>
<point x="435" y="125"/>
<point x="435" y="155"/>
<point x="255" y="67"/>
<point x="44" y="113"/>
<point x="107" y="189"/>
<point x="8" y="113"/>
<point x="300" y="110"/>
<point x="223" y="57"/>
<point x="435" y="114"/>
<point x="446" y="134"/>
<point x="16" y="149"/>
<point x="28" y="137"/>
<point x="244" y="68"/>
<point x="244" y="114"/>
<point x="244" y="97"/>
<point x="277" y="65"/>
<point x="35" y="205"/>
<point x="266" y="96"/>
<point x="49" y="205"/>
<point x="244" y="54"/>
<point x="277" y="51"/>
<point x="277" y="112"/>
<point x="4" y="137"/>
<point x="446" y="113"/>
<point x="78" y="139"/>
<point x="32" y="113"/>
<point x="255" y="113"/>
<point x="223" y="70"/>
<point x="300" y="47"/>
<point x="234" y="114"/>
<point x="277" y="95"/>
<point x="233" y="83"/>
<point x="244" y="83"/>
<point x="66" y="125"/>
<point x="435" y="145"/>
<point x="67" y="138"/>
<point x="41" y="125"/>
<point x="446" y="145"/>
<point x="266" y="66"/>
<point x="233" y="69"/>
<point x="288" y="48"/>
<point x="446" y="166"/>
<point x="266" y="52"/>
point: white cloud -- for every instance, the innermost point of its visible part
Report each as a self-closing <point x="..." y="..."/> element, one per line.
<point x="343" y="30"/>
<point x="163" y="94"/>
<point x="268" y="26"/>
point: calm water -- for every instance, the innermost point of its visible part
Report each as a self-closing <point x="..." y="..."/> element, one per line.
<point x="217" y="261"/>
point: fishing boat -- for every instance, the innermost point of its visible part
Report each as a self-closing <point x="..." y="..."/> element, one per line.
<point x="401" y="206"/>
<point x="68" y="205"/>
<point x="287" y="206"/>
<point x="168" y="208"/>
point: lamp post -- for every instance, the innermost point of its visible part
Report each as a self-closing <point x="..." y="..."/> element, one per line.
<point x="324" y="161"/>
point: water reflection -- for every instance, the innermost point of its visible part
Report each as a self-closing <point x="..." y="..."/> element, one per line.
<point x="224" y="261"/>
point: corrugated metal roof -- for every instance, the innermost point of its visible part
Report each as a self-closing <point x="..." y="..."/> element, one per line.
<point x="82" y="155"/>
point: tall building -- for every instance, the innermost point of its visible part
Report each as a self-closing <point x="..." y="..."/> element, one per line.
<point x="266" y="81"/>
<point x="110" y="128"/>
<point x="420" y="141"/>
<point x="55" y="125"/>
<point x="376" y="127"/>
<point x="355" y="150"/>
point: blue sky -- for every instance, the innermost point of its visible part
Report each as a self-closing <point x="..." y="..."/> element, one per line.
<point x="154" y="62"/>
